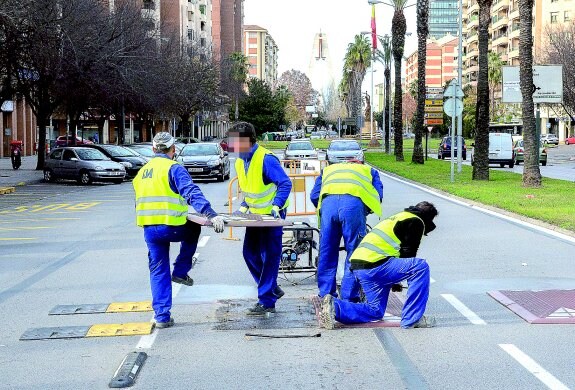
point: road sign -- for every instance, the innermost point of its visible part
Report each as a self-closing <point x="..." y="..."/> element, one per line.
<point x="547" y="79"/>
<point x="433" y="108"/>
<point x="433" y="115"/>
<point x="437" y="102"/>
<point x="434" y="95"/>
<point x="429" y="128"/>
<point x="434" y="121"/>
<point x="433" y="90"/>
<point x="453" y="90"/>
<point x="452" y="105"/>
<point x="349" y="121"/>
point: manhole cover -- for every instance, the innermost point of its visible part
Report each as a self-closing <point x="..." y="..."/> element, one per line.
<point x="539" y="307"/>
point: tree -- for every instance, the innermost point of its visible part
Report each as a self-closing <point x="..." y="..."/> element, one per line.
<point x="299" y="85"/>
<point x="262" y="107"/>
<point x="356" y="61"/>
<point x="398" y="29"/>
<point x="384" y="56"/>
<point x="531" y="173"/>
<point x="234" y="70"/>
<point x="495" y="75"/>
<point x="469" y="102"/>
<point x="422" y="32"/>
<point x="481" y="154"/>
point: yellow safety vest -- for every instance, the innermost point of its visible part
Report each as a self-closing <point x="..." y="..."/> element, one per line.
<point x="381" y="241"/>
<point x="156" y="203"/>
<point x="351" y="179"/>
<point x="258" y="196"/>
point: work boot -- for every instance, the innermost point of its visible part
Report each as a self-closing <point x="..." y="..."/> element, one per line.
<point x="167" y="324"/>
<point x="186" y="281"/>
<point x="278" y="292"/>
<point x="327" y="313"/>
<point x="425" y="322"/>
<point x="260" y="310"/>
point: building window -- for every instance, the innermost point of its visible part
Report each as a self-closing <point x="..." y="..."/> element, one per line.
<point x="567" y="16"/>
<point x="554" y="16"/>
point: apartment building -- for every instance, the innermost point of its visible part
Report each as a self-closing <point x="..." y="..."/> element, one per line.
<point x="227" y="27"/>
<point x="443" y="18"/>
<point x="262" y="53"/>
<point x="441" y="62"/>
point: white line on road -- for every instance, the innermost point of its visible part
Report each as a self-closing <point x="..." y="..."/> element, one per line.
<point x="234" y="198"/>
<point x="470" y="315"/>
<point x="531" y="365"/>
<point x="147" y="341"/>
<point x="203" y="241"/>
<point x="431" y="280"/>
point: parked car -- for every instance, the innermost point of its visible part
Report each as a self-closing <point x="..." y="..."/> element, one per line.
<point x="444" y="150"/>
<point x="66" y="140"/>
<point x="500" y="150"/>
<point x="300" y="149"/>
<point x="550" y="139"/>
<point x="145" y="151"/>
<point x="82" y="164"/>
<point x="570" y="140"/>
<point x="344" y="150"/>
<point x="519" y="149"/>
<point x="125" y="156"/>
<point x="205" y="160"/>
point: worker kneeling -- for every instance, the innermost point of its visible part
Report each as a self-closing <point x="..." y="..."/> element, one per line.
<point x="384" y="258"/>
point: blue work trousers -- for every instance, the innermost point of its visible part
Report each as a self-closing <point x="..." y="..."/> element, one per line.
<point x="262" y="254"/>
<point x="158" y="239"/>
<point x="376" y="283"/>
<point x="341" y="215"/>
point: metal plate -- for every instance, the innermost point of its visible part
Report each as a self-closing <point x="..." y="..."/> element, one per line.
<point x="539" y="307"/>
<point x="61" y="332"/>
<point x="391" y="318"/>
<point x="291" y="313"/>
<point x="122" y="307"/>
<point x="79" y="309"/>
<point x="127" y="329"/>
<point x="243" y="220"/>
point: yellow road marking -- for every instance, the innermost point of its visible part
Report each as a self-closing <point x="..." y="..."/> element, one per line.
<point x="127" y="329"/>
<point x="26" y="228"/>
<point x="7" y="190"/>
<point x="16" y="238"/>
<point x="120" y="307"/>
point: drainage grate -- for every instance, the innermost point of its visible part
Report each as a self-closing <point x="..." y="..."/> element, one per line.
<point x="539" y="307"/>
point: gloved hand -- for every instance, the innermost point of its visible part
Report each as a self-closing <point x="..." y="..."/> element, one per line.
<point x="275" y="212"/>
<point x="241" y="210"/>
<point x="217" y="223"/>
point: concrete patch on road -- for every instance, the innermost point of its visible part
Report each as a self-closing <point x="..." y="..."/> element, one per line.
<point x="539" y="307"/>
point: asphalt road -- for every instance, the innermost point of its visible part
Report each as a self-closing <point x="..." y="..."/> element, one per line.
<point x="68" y="244"/>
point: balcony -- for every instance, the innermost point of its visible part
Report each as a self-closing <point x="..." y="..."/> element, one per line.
<point x="499" y="5"/>
<point x="473" y="8"/>
<point x="514" y="31"/>
<point x="473" y="21"/>
<point x="513" y="53"/>
<point x="499" y="21"/>
<point x="503" y="57"/>
<point x="514" y="13"/>
<point x="472" y="38"/>
<point x="500" y="40"/>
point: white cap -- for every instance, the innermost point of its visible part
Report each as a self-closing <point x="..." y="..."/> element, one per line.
<point x="163" y="140"/>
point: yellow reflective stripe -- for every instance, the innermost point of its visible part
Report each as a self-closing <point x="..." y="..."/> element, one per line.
<point x="166" y="199"/>
<point x="351" y="181"/>
<point x="373" y="248"/>
<point x="171" y="213"/>
<point x="386" y="238"/>
<point x="367" y="179"/>
<point x="269" y="191"/>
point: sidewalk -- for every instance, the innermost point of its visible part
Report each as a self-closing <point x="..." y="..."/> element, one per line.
<point x="27" y="174"/>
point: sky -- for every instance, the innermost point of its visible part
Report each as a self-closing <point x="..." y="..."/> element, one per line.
<point x="294" y="23"/>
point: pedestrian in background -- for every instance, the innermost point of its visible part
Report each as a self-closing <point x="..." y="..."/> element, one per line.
<point x="386" y="257"/>
<point x="164" y="190"/>
<point x="344" y="194"/>
<point x="266" y="188"/>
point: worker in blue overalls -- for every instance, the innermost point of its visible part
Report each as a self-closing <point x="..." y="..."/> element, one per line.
<point x="386" y="257"/>
<point x="164" y="189"/>
<point x="344" y="194"/>
<point x="266" y="189"/>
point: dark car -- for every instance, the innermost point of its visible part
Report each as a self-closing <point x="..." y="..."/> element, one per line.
<point x="445" y="148"/>
<point x="82" y="164"/>
<point x="131" y="160"/>
<point x="205" y="161"/>
<point x="66" y="140"/>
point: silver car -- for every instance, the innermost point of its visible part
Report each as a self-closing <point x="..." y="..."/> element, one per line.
<point x="344" y="150"/>
<point x="301" y="149"/>
<point x="82" y="164"/>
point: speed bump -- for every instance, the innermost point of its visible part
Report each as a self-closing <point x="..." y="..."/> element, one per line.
<point x="121" y="307"/>
<point x="97" y="330"/>
<point x="114" y="307"/>
<point x="7" y="190"/>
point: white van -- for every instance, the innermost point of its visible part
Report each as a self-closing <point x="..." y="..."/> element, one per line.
<point x="500" y="150"/>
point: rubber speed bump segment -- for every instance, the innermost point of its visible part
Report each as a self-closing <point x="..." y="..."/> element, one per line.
<point x="114" y="307"/>
<point x="122" y="307"/>
<point x="6" y="190"/>
<point x="127" y="329"/>
<point x="61" y="332"/>
<point x="125" y="375"/>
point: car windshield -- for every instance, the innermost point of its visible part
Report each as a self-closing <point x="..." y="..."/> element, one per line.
<point x="300" y="146"/>
<point x="199" y="150"/>
<point x="337" y="146"/>
<point x="144" y="151"/>
<point x="91" y="155"/>
<point x="447" y="140"/>
<point x="119" y="151"/>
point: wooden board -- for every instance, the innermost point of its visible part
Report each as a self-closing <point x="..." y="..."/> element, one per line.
<point x="242" y="220"/>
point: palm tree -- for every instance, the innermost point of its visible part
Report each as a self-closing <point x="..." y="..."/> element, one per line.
<point x="239" y="71"/>
<point x="531" y="173"/>
<point x="398" y="29"/>
<point x="481" y="154"/>
<point x="384" y="56"/>
<point x="356" y="61"/>
<point x="495" y="75"/>
<point x="422" y="32"/>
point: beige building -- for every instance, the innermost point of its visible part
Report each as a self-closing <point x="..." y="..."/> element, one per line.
<point x="262" y="53"/>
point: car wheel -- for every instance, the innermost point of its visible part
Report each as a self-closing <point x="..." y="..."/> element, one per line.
<point x="49" y="176"/>
<point x="566" y="142"/>
<point x="85" y="178"/>
<point x="517" y="162"/>
<point x="511" y="164"/>
<point x="221" y="177"/>
<point x="501" y="165"/>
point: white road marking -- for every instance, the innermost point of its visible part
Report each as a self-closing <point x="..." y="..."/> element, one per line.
<point x="470" y="315"/>
<point x="147" y="341"/>
<point x="431" y="280"/>
<point x="531" y="365"/>
<point x="234" y="198"/>
<point x="203" y="241"/>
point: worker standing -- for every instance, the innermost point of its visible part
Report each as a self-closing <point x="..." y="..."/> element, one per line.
<point x="266" y="189"/>
<point x="344" y="194"/>
<point x="386" y="257"/>
<point x="164" y="190"/>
